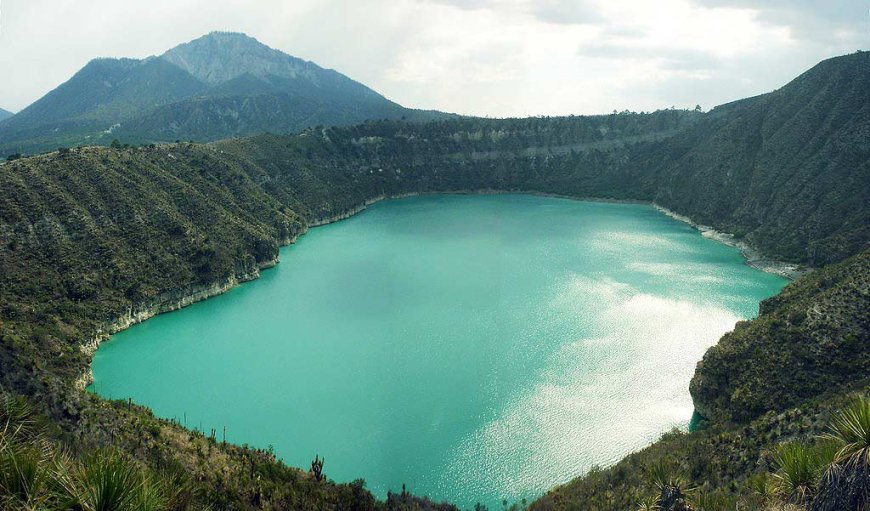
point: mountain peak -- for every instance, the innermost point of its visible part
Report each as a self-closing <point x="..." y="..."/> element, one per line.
<point x="219" y="57"/>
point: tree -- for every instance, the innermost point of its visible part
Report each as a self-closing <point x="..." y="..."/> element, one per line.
<point x="116" y="144"/>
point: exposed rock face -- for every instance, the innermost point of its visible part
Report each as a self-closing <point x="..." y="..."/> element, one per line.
<point x="165" y="303"/>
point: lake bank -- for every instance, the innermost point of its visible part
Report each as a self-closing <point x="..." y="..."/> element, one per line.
<point x="398" y="296"/>
<point x="753" y="257"/>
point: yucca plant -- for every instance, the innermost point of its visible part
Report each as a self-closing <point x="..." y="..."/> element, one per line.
<point x="800" y="467"/>
<point x="150" y="495"/>
<point x="763" y="491"/>
<point x="106" y="481"/>
<point x="648" y="504"/>
<point x="713" y="501"/>
<point x="671" y="485"/>
<point x="25" y="473"/>
<point x="846" y="483"/>
<point x="662" y="476"/>
<point x="177" y="488"/>
<point x="18" y="420"/>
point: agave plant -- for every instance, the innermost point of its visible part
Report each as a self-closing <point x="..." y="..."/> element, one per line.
<point x="800" y="467"/>
<point x="106" y="481"/>
<point x="846" y="483"/>
<point x="18" y="421"/>
<point x="671" y="486"/>
<point x="25" y="473"/>
<point x="648" y="504"/>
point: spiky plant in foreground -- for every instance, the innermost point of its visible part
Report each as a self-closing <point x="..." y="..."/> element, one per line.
<point x="106" y="481"/>
<point x="670" y="485"/>
<point x="800" y="467"/>
<point x="648" y="504"/>
<point x="18" y="420"/>
<point x="845" y="485"/>
<point x="718" y="501"/>
<point x="763" y="489"/>
<point x="25" y="475"/>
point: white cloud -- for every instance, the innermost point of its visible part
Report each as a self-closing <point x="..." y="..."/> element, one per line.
<point x="484" y="57"/>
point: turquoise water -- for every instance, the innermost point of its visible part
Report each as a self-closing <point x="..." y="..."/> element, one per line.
<point x="475" y="348"/>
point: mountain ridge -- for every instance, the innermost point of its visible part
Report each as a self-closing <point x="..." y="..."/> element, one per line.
<point x="143" y="100"/>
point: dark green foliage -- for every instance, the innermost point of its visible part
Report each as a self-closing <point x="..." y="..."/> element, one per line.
<point x="846" y="483"/>
<point x="810" y="338"/>
<point x="799" y="467"/>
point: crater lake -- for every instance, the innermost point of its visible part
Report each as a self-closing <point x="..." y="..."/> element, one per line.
<point x="474" y="348"/>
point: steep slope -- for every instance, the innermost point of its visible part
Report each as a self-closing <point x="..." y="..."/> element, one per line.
<point x="5" y="114"/>
<point x="103" y="94"/>
<point x="788" y="170"/>
<point x="809" y="339"/>
<point x="217" y="86"/>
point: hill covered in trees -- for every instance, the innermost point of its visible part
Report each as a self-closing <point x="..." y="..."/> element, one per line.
<point x="95" y="239"/>
<point x="5" y="114"/>
<point x="220" y="85"/>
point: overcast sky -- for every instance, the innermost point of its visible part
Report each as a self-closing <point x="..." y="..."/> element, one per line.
<point x="482" y="57"/>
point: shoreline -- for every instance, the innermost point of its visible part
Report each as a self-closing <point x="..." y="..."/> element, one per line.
<point x="171" y="301"/>
<point x="753" y="257"/>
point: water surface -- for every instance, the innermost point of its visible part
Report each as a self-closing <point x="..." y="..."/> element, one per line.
<point x="475" y="348"/>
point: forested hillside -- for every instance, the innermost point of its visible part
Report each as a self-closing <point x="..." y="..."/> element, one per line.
<point x="787" y="170"/>
<point x="95" y="239"/>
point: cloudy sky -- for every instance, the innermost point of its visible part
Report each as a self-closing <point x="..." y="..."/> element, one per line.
<point x="482" y="57"/>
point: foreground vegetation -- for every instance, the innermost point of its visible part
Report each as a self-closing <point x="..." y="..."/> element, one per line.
<point x="95" y="239"/>
<point x="150" y="464"/>
<point x="829" y="473"/>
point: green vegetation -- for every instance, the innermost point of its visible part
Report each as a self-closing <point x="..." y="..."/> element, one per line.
<point x="42" y="470"/>
<point x="809" y="339"/>
<point x="802" y="460"/>
<point x="94" y="239"/>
